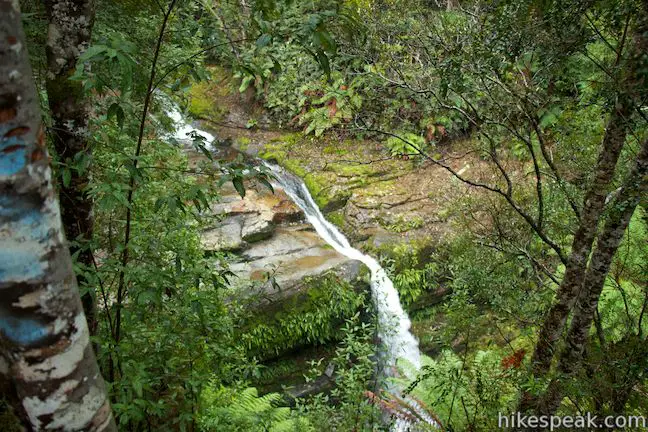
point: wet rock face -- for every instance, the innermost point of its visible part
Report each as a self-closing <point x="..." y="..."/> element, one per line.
<point x="276" y="248"/>
<point x="239" y="222"/>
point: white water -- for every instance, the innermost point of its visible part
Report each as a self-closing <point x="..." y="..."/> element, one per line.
<point x="393" y="322"/>
<point x="183" y="130"/>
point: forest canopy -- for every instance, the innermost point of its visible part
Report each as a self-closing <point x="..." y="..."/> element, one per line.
<point x="338" y="215"/>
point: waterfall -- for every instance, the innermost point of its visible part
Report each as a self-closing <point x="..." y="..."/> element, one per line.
<point x="393" y="322"/>
<point x="183" y="131"/>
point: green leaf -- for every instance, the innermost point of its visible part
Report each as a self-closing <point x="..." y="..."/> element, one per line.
<point x="263" y="40"/>
<point x="92" y="52"/>
<point x="245" y="83"/>
<point x="178" y="265"/>
<point x="66" y="175"/>
<point x="323" y="61"/>
<point x="323" y="39"/>
<point x="266" y="183"/>
<point x="115" y="110"/>
<point x="238" y="185"/>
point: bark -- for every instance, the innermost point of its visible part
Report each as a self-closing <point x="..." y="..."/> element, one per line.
<point x="45" y="350"/>
<point x="606" y="246"/>
<point x="68" y="36"/>
<point x="616" y="131"/>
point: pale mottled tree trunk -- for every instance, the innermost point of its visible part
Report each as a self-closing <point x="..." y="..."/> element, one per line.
<point x="45" y="350"/>
<point x="68" y="36"/>
<point x="607" y="244"/>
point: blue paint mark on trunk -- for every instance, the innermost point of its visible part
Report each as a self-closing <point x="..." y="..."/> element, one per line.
<point x="23" y="331"/>
<point x="20" y="265"/>
<point x="24" y="239"/>
<point x="13" y="162"/>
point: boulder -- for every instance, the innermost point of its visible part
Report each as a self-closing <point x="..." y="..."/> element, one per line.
<point x="224" y="237"/>
<point x="256" y="228"/>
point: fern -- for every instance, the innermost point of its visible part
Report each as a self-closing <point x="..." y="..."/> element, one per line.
<point x="245" y="411"/>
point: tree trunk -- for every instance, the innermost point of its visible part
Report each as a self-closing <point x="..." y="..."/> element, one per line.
<point x="606" y="246"/>
<point x="616" y="130"/>
<point x="571" y="283"/>
<point x="68" y="36"/>
<point x="45" y="348"/>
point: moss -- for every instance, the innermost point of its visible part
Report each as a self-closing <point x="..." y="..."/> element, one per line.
<point x="202" y="102"/>
<point x="355" y="170"/>
<point x="278" y="149"/>
<point x="337" y="149"/>
<point x="273" y="152"/>
<point x="337" y="218"/>
<point x="316" y="184"/>
<point x="287" y="140"/>
<point x="242" y="143"/>
<point x="205" y="97"/>
<point x="294" y="166"/>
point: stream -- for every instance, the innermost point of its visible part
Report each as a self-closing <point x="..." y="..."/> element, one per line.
<point x="393" y="322"/>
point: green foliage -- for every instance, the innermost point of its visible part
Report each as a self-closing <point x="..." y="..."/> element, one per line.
<point x="467" y="392"/>
<point x="354" y="373"/>
<point x="412" y="271"/>
<point x="516" y="77"/>
<point x="243" y="410"/>
<point x="624" y="297"/>
<point x="406" y="144"/>
<point x="326" y="108"/>
<point x="8" y="418"/>
<point x="312" y="317"/>
<point x="174" y="290"/>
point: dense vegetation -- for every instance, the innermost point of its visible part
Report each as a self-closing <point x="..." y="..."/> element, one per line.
<point x="530" y="116"/>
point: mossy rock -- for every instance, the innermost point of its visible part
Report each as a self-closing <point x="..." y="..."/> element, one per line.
<point x="242" y="143"/>
<point x="206" y="97"/>
<point x="203" y="102"/>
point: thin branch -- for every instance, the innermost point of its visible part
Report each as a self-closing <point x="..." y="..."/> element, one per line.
<point x="505" y="194"/>
<point x="191" y="57"/>
<point x="104" y="296"/>
<point x="138" y="150"/>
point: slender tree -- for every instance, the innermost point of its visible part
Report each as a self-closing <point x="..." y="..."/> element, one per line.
<point x="607" y="243"/>
<point x="578" y="272"/>
<point x="45" y="350"/>
<point x="70" y="25"/>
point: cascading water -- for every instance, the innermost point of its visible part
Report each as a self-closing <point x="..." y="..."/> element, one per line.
<point x="183" y="130"/>
<point x="393" y="322"/>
